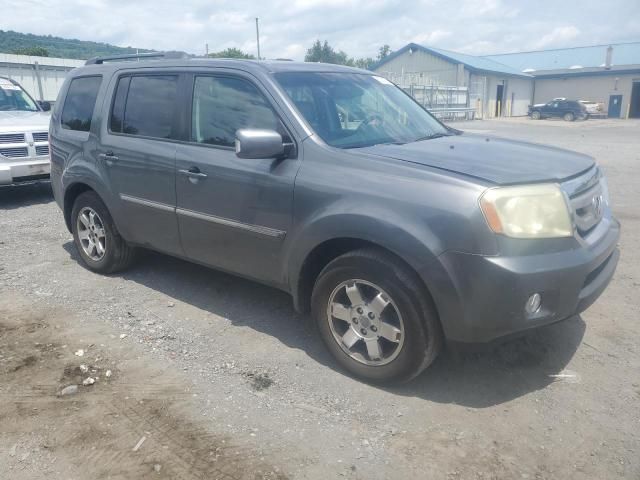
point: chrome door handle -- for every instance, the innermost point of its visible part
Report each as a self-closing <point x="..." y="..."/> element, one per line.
<point x="108" y="157"/>
<point x="193" y="172"/>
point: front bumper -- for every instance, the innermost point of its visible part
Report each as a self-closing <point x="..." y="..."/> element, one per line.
<point x="13" y="171"/>
<point x="491" y="292"/>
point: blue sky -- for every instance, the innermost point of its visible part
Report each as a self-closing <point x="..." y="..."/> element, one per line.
<point x="359" y="27"/>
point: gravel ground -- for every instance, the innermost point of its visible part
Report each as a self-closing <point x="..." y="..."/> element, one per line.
<point x="219" y="378"/>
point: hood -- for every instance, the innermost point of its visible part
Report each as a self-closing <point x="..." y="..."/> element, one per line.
<point x="496" y="160"/>
<point x="20" y="121"/>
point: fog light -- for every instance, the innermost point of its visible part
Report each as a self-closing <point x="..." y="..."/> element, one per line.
<point x="533" y="304"/>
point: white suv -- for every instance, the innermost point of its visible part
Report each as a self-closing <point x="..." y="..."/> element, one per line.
<point x="24" y="135"/>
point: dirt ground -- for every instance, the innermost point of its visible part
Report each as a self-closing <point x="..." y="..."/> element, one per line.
<point x="211" y="376"/>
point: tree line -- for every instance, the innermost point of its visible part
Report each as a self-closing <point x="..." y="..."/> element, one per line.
<point x="49" y="46"/>
<point x="318" y="52"/>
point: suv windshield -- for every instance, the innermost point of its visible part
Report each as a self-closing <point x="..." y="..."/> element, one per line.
<point x="351" y="110"/>
<point x="12" y="97"/>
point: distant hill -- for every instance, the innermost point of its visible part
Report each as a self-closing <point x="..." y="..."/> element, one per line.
<point x="11" y="42"/>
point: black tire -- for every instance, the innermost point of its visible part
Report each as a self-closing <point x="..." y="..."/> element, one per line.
<point x="535" y="115"/>
<point x="422" y="333"/>
<point x="569" y="117"/>
<point x="118" y="255"/>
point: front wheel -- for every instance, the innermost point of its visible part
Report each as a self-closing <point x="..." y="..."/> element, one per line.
<point x="569" y="117"/>
<point x="375" y="317"/>
<point x="535" y="115"/>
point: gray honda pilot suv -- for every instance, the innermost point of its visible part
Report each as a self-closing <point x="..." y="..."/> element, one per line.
<point x="395" y="231"/>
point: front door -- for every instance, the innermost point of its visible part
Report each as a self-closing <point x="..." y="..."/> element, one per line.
<point x="233" y="213"/>
<point x="138" y="158"/>
<point x="615" y="106"/>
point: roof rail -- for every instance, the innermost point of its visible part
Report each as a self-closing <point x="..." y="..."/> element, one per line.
<point x="134" y="56"/>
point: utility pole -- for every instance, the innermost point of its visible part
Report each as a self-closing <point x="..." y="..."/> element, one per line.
<point x="258" y="37"/>
<point x="206" y="49"/>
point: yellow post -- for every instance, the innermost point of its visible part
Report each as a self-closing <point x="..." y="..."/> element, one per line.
<point x="628" y="110"/>
<point x="499" y="108"/>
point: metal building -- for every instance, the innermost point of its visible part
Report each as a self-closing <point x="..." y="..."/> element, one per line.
<point x="42" y="77"/>
<point x="607" y="74"/>
<point x="505" y="84"/>
<point x="449" y="83"/>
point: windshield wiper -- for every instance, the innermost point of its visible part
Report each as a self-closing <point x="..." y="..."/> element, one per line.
<point x="432" y="136"/>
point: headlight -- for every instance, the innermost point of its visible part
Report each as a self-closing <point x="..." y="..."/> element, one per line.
<point x="528" y="211"/>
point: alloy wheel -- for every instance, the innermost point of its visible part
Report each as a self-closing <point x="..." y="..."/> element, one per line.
<point x="365" y="322"/>
<point x="91" y="234"/>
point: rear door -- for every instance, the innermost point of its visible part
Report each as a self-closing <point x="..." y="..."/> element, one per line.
<point x="233" y="213"/>
<point x="555" y="108"/>
<point x="137" y="152"/>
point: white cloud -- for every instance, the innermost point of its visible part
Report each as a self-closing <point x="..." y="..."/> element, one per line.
<point x="359" y="27"/>
<point x="559" y="36"/>
<point x="432" y="38"/>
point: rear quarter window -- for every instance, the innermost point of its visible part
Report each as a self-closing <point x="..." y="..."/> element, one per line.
<point x="80" y="103"/>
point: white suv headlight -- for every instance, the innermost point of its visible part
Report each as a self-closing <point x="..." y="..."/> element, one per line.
<point x="528" y="211"/>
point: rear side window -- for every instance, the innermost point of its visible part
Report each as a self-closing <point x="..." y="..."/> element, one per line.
<point x="145" y="106"/>
<point x="79" y="103"/>
<point x="222" y="105"/>
<point x="117" y="113"/>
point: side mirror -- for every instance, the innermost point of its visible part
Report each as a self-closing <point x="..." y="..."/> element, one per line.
<point x="254" y="143"/>
<point x="46" y="106"/>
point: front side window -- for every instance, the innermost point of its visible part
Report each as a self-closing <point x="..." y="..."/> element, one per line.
<point x="13" y="98"/>
<point x="349" y="110"/>
<point x="222" y="105"/>
<point x="79" y="103"/>
<point x="145" y="106"/>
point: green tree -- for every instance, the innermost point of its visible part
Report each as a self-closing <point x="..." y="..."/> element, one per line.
<point x="384" y="51"/>
<point x="325" y="53"/>
<point x="364" y="63"/>
<point x="232" y="53"/>
<point x="33" y="51"/>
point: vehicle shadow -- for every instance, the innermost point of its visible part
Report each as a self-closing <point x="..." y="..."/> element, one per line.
<point x="502" y="372"/>
<point x="18" y="196"/>
<point x="478" y="380"/>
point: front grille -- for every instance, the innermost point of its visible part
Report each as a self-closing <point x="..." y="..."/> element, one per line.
<point x="17" y="152"/>
<point x="40" y="136"/>
<point x="588" y="208"/>
<point x="42" y="149"/>
<point x="12" y="138"/>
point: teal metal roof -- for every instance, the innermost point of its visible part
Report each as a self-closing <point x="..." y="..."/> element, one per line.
<point x="474" y="64"/>
<point x="566" y="58"/>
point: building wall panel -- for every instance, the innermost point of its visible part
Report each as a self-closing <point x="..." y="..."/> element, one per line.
<point x="595" y="88"/>
<point x="422" y="68"/>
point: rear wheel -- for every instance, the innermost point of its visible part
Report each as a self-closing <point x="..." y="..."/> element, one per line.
<point x="535" y="115"/>
<point x="569" y="117"/>
<point x="375" y="317"/>
<point x="99" y="244"/>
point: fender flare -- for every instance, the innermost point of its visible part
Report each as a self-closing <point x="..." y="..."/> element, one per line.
<point x="81" y="173"/>
<point x="415" y="244"/>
